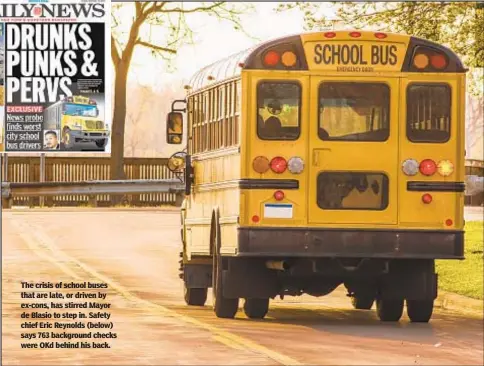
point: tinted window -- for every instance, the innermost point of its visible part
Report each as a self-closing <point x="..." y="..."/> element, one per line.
<point x="352" y="191"/>
<point x="354" y="111"/>
<point x="428" y="113"/>
<point x="278" y="110"/>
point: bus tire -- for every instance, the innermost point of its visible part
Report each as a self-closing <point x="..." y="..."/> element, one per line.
<point x="223" y="307"/>
<point x="101" y="143"/>
<point x="389" y="310"/>
<point x="420" y="311"/>
<point x="256" y="308"/>
<point x="362" y="302"/>
<point x="195" y="296"/>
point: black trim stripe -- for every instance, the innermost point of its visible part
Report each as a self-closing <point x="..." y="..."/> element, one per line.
<point x="268" y="183"/>
<point x="436" y="186"/>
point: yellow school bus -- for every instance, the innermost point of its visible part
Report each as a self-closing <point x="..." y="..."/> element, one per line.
<point x="77" y="120"/>
<point x="319" y="160"/>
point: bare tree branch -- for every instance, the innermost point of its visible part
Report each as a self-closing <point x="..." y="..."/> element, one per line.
<point x="194" y="10"/>
<point x="155" y="47"/>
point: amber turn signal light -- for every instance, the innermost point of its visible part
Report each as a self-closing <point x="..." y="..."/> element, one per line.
<point x="261" y="164"/>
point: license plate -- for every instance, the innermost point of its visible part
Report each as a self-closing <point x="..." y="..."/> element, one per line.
<point x="278" y="211"/>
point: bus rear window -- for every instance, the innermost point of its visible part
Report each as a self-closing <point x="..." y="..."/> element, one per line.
<point x="278" y="110"/>
<point x="428" y="113"/>
<point x="354" y="111"/>
<point x="352" y="191"/>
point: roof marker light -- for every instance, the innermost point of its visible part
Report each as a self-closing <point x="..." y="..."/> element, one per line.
<point x="289" y="59"/>
<point x="355" y="34"/>
<point x="271" y="58"/>
<point x="421" y="61"/>
<point x="438" y="61"/>
<point x="330" y="34"/>
<point x="380" y="35"/>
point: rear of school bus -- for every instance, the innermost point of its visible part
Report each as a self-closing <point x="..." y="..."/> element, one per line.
<point x="353" y="162"/>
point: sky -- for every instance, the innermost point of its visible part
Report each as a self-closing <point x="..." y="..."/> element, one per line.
<point x="213" y="40"/>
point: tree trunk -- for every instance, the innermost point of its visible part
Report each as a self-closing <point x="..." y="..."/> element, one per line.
<point x="119" y="117"/>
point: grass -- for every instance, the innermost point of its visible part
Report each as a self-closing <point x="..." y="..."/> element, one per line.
<point x="465" y="277"/>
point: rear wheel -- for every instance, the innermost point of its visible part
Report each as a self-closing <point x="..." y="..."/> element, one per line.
<point x="256" y="308"/>
<point x="101" y="143"/>
<point x="223" y="307"/>
<point x="389" y="310"/>
<point x="362" y="302"/>
<point x="195" y="296"/>
<point x="420" y="311"/>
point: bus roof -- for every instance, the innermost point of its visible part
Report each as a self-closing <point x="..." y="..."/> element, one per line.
<point x="252" y="58"/>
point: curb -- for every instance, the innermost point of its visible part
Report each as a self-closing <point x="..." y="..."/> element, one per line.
<point x="462" y="304"/>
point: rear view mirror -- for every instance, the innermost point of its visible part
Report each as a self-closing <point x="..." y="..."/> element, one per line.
<point x="174" y="128"/>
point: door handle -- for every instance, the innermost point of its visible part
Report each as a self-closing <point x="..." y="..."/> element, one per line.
<point x="316" y="155"/>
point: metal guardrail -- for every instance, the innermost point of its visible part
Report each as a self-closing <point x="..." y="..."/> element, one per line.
<point x="474" y="185"/>
<point x="35" y="189"/>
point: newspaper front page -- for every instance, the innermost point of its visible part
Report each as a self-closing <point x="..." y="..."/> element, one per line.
<point x="53" y="76"/>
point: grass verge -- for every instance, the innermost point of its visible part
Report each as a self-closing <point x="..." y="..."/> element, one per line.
<point x="465" y="277"/>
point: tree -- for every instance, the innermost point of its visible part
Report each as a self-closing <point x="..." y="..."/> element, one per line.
<point x="172" y="17"/>
<point x="459" y="25"/>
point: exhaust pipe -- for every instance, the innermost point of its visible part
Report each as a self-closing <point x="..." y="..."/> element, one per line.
<point x="278" y="265"/>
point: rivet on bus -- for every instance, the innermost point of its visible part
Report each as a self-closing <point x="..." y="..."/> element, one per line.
<point x="278" y="165"/>
<point x="295" y="165"/>
<point x="410" y="167"/>
<point x="355" y="34"/>
<point x="330" y="34"/>
<point x="427" y="198"/>
<point x="261" y="164"/>
<point x="445" y="168"/>
<point x="421" y="61"/>
<point x="289" y="59"/>
<point x="271" y="58"/>
<point x="380" y="35"/>
<point x="279" y="195"/>
<point x="428" y="167"/>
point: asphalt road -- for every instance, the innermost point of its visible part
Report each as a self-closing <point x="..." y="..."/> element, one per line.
<point x="136" y="254"/>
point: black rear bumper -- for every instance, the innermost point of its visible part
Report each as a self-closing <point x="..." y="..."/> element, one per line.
<point x="355" y="243"/>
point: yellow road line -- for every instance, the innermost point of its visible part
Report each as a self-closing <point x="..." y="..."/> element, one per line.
<point x="224" y="337"/>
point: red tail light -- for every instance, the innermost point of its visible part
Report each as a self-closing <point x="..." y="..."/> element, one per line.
<point x="330" y="34"/>
<point x="438" y="61"/>
<point x="271" y="58"/>
<point x="426" y="198"/>
<point x="428" y="167"/>
<point x="278" y="165"/>
<point x="355" y="34"/>
<point x="279" y="195"/>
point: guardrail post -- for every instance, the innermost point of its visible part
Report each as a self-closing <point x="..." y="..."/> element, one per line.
<point x="135" y="198"/>
<point x="6" y="202"/>
<point x="92" y="200"/>
<point x="31" y="179"/>
<point x="42" y="176"/>
<point x="179" y="198"/>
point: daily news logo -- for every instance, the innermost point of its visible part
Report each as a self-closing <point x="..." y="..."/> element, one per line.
<point x="40" y="10"/>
